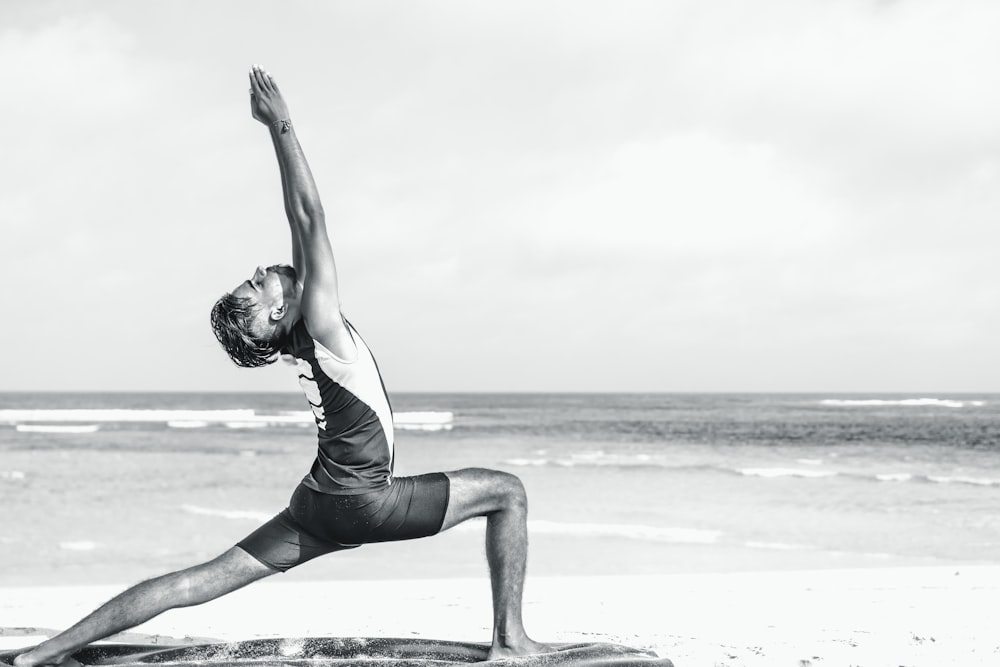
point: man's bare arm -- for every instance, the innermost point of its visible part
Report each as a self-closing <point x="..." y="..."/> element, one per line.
<point x="311" y="249"/>
<point x="302" y="204"/>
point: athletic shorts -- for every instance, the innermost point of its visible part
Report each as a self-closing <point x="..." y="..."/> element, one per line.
<point x="317" y="523"/>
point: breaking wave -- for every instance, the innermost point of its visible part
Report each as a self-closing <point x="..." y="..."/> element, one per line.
<point x="57" y="428"/>
<point x="625" y="531"/>
<point x="785" y="472"/>
<point x="813" y="471"/>
<point x="907" y="402"/>
<point x="89" y="420"/>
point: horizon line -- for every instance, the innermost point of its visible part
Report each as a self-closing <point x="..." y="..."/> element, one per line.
<point x="292" y="392"/>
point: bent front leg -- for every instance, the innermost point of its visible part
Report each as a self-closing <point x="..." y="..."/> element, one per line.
<point x="500" y="497"/>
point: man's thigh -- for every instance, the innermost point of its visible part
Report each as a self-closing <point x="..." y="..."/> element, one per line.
<point x="283" y="543"/>
<point x="478" y="492"/>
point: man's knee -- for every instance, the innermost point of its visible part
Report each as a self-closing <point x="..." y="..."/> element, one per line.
<point x="513" y="491"/>
<point x="481" y="492"/>
<point x="200" y="583"/>
<point x="504" y="488"/>
<point x="173" y="588"/>
<point x="179" y="588"/>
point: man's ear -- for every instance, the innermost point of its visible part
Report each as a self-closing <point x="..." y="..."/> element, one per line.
<point x="278" y="312"/>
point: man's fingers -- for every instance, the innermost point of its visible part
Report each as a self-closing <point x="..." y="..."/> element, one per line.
<point x="254" y="85"/>
<point x="267" y="80"/>
<point x="259" y="74"/>
<point x="264" y="79"/>
<point x="261" y="81"/>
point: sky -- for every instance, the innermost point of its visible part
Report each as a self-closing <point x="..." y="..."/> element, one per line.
<point x="789" y="195"/>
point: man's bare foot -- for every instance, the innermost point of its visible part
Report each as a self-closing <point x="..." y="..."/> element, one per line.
<point x="510" y="649"/>
<point x="26" y="659"/>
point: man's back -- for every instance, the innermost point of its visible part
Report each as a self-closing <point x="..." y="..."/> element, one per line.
<point x="352" y="411"/>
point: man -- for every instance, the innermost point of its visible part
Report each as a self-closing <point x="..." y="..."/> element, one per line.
<point x="350" y="496"/>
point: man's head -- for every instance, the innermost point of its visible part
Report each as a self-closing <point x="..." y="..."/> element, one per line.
<point x="253" y="321"/>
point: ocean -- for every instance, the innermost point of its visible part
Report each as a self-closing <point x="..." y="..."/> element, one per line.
<point x="113" y="488"/>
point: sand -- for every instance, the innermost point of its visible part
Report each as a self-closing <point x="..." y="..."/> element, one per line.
<point x="866" y="617"/>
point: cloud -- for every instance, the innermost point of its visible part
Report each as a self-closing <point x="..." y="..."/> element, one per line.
<point x="706" y="181"/>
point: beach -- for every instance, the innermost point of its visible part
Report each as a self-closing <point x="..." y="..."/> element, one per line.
<point x="711" y="529"/>
<point x="715" y="281"/>
<point x="866" y="617"/>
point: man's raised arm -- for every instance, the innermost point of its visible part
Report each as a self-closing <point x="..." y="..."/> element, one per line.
<point x="312" y="255"/>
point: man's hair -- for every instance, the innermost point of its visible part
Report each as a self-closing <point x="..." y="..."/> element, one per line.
<point x="232" y="322"/>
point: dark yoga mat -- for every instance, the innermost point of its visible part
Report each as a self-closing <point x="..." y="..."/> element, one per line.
<point x="376" y="652"/>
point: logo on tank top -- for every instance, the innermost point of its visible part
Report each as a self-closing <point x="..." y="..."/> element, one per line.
<point x="311" y="390"/>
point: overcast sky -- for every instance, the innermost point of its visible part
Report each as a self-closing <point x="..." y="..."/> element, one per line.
<point x="794" y="195"/>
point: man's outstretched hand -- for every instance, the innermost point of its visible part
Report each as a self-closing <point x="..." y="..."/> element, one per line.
<point x="266" y="103"/>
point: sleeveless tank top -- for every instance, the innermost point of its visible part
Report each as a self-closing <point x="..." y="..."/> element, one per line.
<point x="353" y="415"/>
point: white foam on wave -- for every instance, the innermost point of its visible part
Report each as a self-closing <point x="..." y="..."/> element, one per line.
<point x="82" y="545"/>
<point x="785" y="472"/>
<point x="121" y="415"/>
<point x="423" y="427"/>
<point x="423" y="421"/>
<point x="894" y="477"/>
<point x="246" y="424"/>
<point x="911" y="402"/>
<point x="628" y="531"/>
<point x="810" y="462"/>
<point x="245" y="418"/>
<point x="259" y="517"/>
<point x="596" y="459"/>
<point x="669" y="534"/>
<point x="11" y="474"/>
<point x="960" y="479"/>
<point x="187" y="423"/>
<point x="526" y="462"/>
<point x="57" y="428"/>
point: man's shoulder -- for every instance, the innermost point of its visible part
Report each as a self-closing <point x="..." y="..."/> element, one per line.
<point x="335" y="335"/>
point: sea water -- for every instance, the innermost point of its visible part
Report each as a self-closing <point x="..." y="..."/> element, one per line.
<point x="110" y="488"/>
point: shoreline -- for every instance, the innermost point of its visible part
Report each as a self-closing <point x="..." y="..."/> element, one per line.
<point x="872" y="616"/>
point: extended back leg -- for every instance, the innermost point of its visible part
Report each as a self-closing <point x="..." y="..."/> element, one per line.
<point x="184" y="588"/>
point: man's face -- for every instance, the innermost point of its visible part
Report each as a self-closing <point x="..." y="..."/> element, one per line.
<point x="267" y="283"/>
<point x="267" y="288"/>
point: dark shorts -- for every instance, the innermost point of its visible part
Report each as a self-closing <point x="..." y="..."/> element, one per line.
<point x="317" y="523"/>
